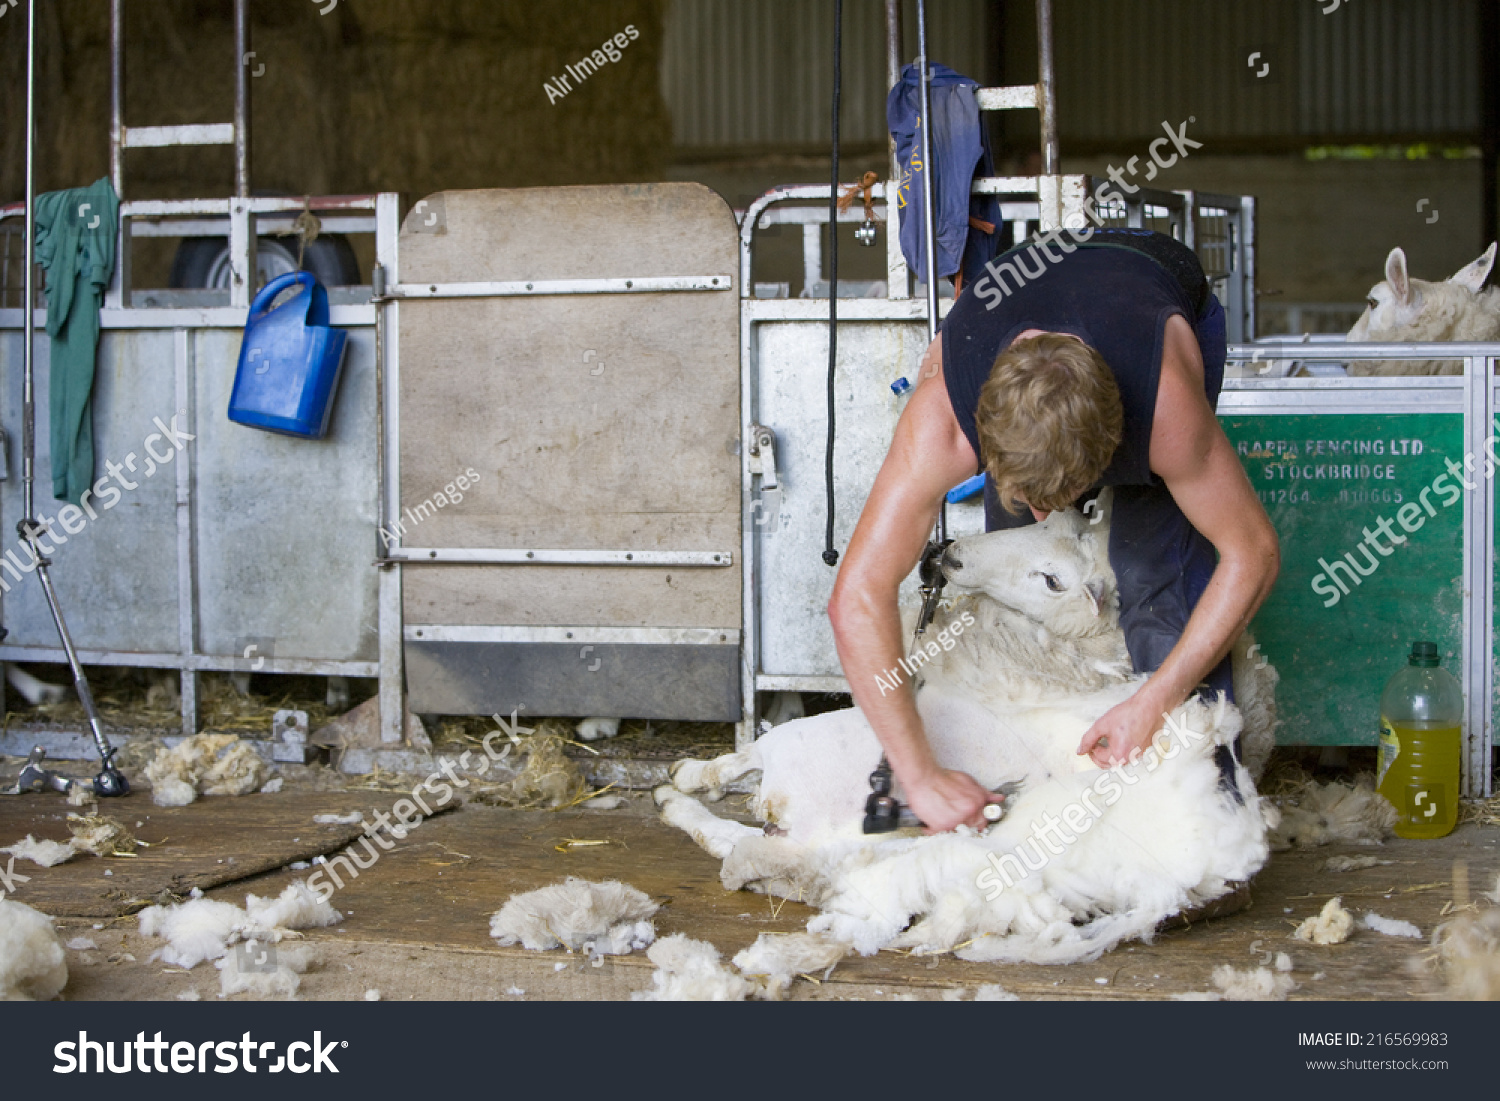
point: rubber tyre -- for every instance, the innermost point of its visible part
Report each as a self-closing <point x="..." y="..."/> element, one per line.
<point x="203" y="261"/>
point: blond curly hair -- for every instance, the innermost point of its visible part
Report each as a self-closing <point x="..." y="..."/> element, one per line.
<point x="1049" y="421"/>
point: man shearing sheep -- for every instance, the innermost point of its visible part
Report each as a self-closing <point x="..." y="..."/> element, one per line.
<point x="1102" y="368"/>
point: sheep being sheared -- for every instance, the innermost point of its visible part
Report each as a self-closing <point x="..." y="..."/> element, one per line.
<point x="1406" y="309"/>
<point x="1015" y="670"/>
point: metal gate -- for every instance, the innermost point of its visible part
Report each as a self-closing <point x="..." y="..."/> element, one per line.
<point x="569" y="354"/>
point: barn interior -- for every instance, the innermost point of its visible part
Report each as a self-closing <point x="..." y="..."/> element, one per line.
<point x="554" y="536"/>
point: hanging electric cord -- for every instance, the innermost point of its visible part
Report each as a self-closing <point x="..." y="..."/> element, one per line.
<point x="831" y="556"/>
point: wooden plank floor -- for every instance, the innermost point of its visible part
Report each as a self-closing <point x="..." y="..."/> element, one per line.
<point x="435" y="891"/>
<point x="211" y="842"/>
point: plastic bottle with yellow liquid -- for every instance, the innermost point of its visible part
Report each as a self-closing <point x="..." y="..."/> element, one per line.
<point x="1421" y="745"/>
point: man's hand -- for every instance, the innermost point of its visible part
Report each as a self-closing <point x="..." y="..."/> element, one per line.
<point x="948" y="799"/>
<point x="1122" y="730"/>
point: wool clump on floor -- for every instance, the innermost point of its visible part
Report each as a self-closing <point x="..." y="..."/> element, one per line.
<point x="1353" y="863"/>
<point x="775" y="960"/>
<point x="1258" y="984"/>
<point x="1466" y="954"/>
<point x="207" y="929"/>
<point x="691" y="971"/>
<point x="205" y="764"/>
<point x="1332" y="925"/>
<point x="1314" y="814"/>
<point x="48" y="854"/>
<point x="1392" y="927"/>
<point x="549" y="778"/>
<point x="602" y="919"/>
<point x="353" y="818"/>
<point x="101" y="835"/>
<point x="33" y="966"/>
<point x="265" y="971"/>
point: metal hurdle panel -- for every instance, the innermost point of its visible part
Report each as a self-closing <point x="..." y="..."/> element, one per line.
<point x="245" y="539"/>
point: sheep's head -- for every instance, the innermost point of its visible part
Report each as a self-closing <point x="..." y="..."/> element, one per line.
<point x="1055" y="573"/>
<point x="1402" y="308"/>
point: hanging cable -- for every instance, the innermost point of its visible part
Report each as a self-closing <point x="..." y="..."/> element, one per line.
<point x="831" y="556"/>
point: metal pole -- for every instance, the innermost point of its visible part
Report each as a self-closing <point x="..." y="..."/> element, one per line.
<point x="117" y="97"/>
<point x="892" y="78"/>
<point x="1046" y="94"/>
<point x="929" y="215"/>
<point x="241" y="101"/>
<point x="109" y="782"/>
<point x="929" y="236"/>
<point x="28" y="301"/>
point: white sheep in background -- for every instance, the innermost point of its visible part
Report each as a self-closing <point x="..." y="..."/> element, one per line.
<point x="1405" y="309"/>
<point x="1040" y="657"/>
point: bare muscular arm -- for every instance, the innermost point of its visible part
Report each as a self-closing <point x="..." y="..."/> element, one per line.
<point x="1193" y="456"/>
<point x="928" y="456"/>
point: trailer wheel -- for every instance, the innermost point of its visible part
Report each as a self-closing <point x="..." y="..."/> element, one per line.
<point x="204" y="261"/>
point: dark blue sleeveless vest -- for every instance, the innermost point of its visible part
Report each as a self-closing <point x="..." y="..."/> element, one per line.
<point x="1115" y="292"/>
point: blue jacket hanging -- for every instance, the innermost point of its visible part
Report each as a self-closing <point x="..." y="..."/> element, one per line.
<point x="961" y="150"/>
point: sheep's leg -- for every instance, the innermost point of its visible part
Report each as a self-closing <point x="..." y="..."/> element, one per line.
<point x="716" y="836"/>
<point x="692" y="777"/>
<point x="590" y="730"/>
<point x="784" y="707"/>
<point x="36" y="691"/>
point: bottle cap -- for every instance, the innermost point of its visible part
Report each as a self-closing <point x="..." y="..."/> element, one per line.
<point x="1424" y="654"/>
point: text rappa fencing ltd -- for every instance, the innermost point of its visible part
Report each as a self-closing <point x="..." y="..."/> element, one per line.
<point x="1081" y="814"/>
<point x="405" y="811"/>
<point x="992" y="287"/>
<point x="1411" y="518"/>
<point x="72" y="518"/>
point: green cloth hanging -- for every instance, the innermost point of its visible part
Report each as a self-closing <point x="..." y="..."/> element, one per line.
<point x="75" y="244"/>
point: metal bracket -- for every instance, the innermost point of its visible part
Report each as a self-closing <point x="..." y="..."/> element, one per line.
<point x="289" y="738"/>
<point x="36" y="778"/>
<point x="762" y="454"/>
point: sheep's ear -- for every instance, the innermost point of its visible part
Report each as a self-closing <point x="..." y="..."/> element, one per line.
<point x="1473" y="275"/>
<point x="1395" y="275"/>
